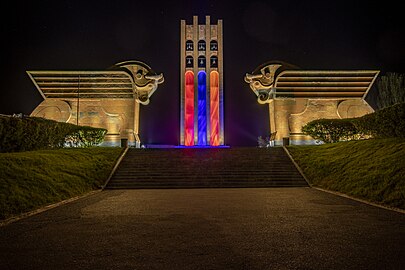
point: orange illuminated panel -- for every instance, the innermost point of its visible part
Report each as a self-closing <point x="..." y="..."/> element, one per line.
<point x="214" y="108"/>
<point x="189" y="110"/>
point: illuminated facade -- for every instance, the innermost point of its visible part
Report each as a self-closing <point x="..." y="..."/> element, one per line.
<point x="296" y="97"/>
<point x="201" y="84"/>
<point x="108" y="99"/>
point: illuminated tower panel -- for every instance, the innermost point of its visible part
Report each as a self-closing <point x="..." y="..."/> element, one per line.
<point x="201" y="80"/>
<point x="189" y="109"/>
<point x="214" y="108"/>
<point x="202" y="111"/>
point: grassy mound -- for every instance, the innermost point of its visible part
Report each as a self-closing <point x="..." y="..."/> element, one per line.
<point x="373" y="170"/>
<point x="29" y="180"/>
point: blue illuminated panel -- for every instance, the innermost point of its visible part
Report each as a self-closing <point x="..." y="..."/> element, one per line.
<point x="202" y="104"/>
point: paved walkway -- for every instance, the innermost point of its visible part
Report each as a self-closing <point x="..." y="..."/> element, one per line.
<point x="279" y="228"/>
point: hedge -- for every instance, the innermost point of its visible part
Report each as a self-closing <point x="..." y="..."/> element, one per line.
<point x="33" y="133"/>
<point x="386" y="123"/>
<point x="331" y="130"/>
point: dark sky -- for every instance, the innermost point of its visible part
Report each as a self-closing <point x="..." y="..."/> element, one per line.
<point x="94" y="35"/>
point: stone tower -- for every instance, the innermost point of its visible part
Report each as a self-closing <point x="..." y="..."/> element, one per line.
<point x="201" y="80"/>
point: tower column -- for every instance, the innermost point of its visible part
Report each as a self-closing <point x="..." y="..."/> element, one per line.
<point x="208" y="68"/>
<point x="195" y="67"/>
<point x="221" y="84"/>
<point x="182" y="74"/>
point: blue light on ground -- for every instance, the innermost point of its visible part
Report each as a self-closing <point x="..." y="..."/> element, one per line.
<point x="165" y="146"/>
<point x="202" y="146"/>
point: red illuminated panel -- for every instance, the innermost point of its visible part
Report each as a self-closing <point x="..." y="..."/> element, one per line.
<point x="189" y="110"/>
<point x="214" y="108"/>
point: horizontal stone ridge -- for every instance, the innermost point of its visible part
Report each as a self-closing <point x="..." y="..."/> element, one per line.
<point x="206" y="168"/>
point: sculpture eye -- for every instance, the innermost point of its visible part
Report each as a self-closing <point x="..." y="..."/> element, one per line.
<point x="143" y="98"/>
<point x="139" y="74"/>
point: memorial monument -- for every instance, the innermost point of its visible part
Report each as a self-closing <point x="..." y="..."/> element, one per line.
<point x="108" y="99"/>
<point x="296" y="97"/>
<point x="201" y="84"/>
<point x="111" y="98"/>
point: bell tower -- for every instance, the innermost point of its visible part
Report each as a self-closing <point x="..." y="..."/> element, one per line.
<point x="201" y="84"/>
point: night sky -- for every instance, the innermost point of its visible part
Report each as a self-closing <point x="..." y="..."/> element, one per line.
<point x="94" y="35"/>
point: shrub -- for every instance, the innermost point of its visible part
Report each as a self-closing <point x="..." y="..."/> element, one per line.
<point x="331" y="130"/>
<point x="85" y="137"/>
<point x="385" y="123"/>
<point x="33" y="133"/>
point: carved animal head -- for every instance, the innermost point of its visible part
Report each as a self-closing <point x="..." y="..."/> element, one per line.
<point x="145" y="80"/>
<point x="261" y="82"/>
<point x="264" y="79"/>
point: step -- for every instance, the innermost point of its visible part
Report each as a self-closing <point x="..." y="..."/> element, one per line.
<point x="206" y="185"/>
<point x="192" y="168"/>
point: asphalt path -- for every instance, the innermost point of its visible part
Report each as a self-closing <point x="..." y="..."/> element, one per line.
<point x="277" y="228"/>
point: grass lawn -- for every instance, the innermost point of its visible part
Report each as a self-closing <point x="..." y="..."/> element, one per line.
<point x="373" y="170"/>
<point x="29" y="180"/>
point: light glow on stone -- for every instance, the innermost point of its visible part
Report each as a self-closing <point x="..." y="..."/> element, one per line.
<point x="214" y="108"/>
<point x="189" y="109"/>
<point x="202" y="107"/>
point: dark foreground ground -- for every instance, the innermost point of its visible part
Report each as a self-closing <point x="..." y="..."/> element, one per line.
<point x="279" y="228"/>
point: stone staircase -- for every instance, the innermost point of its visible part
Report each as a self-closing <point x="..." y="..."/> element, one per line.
<point x="206" y="168"/>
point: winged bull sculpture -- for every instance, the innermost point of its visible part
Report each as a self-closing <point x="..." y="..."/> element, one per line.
<point x="101" y="98"/>
<point x="296" y="97"/>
